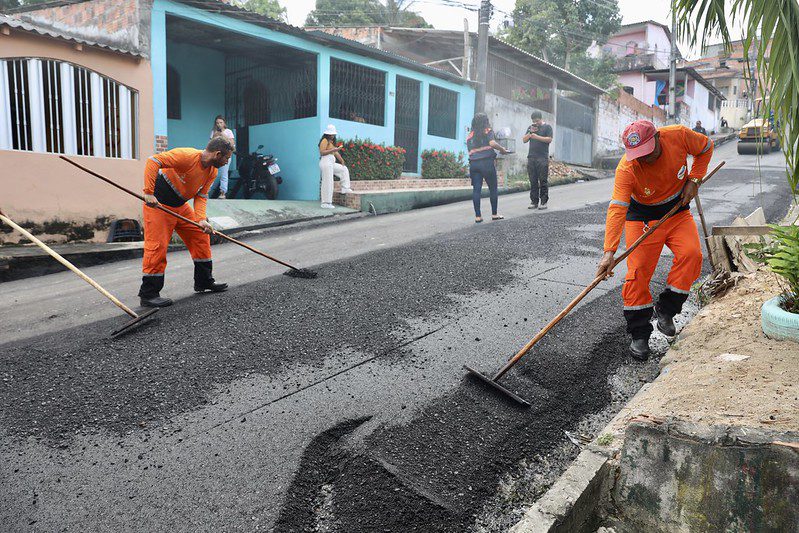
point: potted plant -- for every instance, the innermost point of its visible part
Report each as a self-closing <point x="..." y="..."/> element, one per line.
<point x="780" y="315"/>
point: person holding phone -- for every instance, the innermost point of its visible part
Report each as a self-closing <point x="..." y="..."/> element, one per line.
<point x="483" y="148"/>
<point x="331" y="164"/>
<point x="539" y="135"/>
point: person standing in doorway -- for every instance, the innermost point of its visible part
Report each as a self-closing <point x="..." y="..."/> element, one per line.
<point x="539" y="136"/>
<point x="220" y="129"/>
<point x="332" y="164"/>
<point x="482" y="153"/>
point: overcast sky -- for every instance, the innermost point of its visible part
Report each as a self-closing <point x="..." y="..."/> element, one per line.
<point x="451" y="18"/>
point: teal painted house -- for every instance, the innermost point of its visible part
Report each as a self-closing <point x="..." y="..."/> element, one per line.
<point x="280" y="86"/>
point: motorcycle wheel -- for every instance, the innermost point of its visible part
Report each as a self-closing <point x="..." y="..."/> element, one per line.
<point x="247" y="191"/>
<point x="271" y="188"/>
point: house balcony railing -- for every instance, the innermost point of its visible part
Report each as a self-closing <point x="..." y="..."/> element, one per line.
<point x="636" y="62"/>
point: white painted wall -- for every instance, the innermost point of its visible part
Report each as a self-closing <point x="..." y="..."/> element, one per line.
<point x="504" y="113"/>
<point x="612" y="118"/>
<point x="659" y="43"/>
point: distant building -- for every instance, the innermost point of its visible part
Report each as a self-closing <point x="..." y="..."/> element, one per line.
<point x="728" y="72"/>
<point x="642" y="65"/>
<point x="518" y="83"/>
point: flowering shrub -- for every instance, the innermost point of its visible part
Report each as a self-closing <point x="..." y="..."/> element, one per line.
<point x="443" y="164"/>
<point x="369" y="161"/>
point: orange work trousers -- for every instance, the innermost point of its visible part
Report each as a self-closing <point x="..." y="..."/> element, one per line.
<point x="158" y="228"/>
<point x="679" y="233"/>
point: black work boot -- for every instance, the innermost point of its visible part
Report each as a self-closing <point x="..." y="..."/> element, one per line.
<point x="203" y="281"/>
<point x="666" y="324"/>
<point x="150" y="291"/>
<point x="639" y="349"/>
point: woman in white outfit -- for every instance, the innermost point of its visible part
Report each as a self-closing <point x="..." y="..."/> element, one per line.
<point x="331" y="164"/>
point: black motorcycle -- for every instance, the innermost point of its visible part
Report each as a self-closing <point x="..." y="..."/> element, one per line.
<point x="257" y="172"/>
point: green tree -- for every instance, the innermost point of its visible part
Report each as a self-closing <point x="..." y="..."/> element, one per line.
<point x="269" y="8"/>
<point x="365" y="13"/>
<point x="764" y="21"/>
<point x="560" y="31"/>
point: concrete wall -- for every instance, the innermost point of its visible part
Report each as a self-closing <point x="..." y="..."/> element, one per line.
<point x="39" y="187"/>
<point x="736" y="112"/>
<point x="699" y="110"/>
<point x="507" y="113"/>
<point x="613" y="116"/>
<point x="678" y="477"/>
<point x="298" y="161"/>
<point x="202" y="93"/>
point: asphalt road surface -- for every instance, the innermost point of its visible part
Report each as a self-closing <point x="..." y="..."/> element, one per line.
<point x="334" y="404"/>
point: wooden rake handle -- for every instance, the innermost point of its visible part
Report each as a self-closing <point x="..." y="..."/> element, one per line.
<point x="67" y="264"/>
<point x="521" y="353"/>
<point x="176" y="215"/>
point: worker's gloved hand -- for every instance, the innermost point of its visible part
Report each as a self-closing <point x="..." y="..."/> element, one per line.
<point x="605" y="269"/>
<point x="150" y="200"/>
<point x="206" y="226"/>
<point x="689" y="192"/>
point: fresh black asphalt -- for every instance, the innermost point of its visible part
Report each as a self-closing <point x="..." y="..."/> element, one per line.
<point x="434" y="471"/>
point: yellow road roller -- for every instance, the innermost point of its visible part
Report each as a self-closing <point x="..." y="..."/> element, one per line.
<point x="758" y="136"/>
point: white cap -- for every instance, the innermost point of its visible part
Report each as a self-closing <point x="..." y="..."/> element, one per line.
<point x="330" y="130"/>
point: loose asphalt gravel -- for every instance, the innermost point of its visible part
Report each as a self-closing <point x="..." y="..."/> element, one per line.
<point x="431" y="472"/>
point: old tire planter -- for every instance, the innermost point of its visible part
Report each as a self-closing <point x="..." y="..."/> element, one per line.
<point x="777" y="322"/>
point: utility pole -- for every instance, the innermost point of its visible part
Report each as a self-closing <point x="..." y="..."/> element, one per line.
<point x="673" y="68"/>
<point x="482" y="55"/>
<point x="466" y="66"/>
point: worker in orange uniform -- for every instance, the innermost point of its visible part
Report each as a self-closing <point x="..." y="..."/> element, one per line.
<point x="171" y="179"/>
<point x="651" y="178"/>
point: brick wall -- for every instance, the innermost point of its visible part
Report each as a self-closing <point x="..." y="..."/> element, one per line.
<point x="161" y="144"/>
<point x="111" y="22"/>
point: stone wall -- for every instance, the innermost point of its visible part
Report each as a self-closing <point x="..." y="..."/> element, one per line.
<point x="613" y="116"/>
<point x="676" y="476"/>
<point x="110" y="22"/>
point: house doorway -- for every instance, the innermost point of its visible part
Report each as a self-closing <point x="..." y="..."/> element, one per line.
<point x="406" y="121"/>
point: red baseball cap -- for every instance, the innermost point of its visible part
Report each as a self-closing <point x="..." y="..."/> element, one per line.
<point x="639" y="139"/>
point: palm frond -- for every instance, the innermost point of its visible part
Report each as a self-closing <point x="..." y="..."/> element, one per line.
<point x="771" y="28"/>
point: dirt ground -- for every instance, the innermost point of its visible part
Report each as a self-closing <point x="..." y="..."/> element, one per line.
<point x="723" y="370"/>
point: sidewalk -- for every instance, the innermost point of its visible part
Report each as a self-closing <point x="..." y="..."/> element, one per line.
<point x="230" y="216"/>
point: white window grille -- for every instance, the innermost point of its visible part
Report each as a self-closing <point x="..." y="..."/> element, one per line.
<point x="56" y="107"/>
<point x="83" y="111"/>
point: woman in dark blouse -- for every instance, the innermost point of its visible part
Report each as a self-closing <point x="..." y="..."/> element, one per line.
<point x="482" y="153"/>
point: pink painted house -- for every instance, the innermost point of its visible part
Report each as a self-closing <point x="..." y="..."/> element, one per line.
<point x="642" y="50"/>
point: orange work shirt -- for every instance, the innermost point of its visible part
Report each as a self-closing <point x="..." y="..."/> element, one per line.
<point x="183" y="172"/>
<point x="647" y="191"/>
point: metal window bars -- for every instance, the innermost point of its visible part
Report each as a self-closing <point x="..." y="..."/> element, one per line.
<point x="53" y="114"/>
<point x="257" y="93"/>
<point x="55" y="94"/>
<point x="113" y="147"/>
<point x="19" y="105"/>
<point x="442" y="112"/>
<point x="357" y="93"/>
<point x="83" y="112"/>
